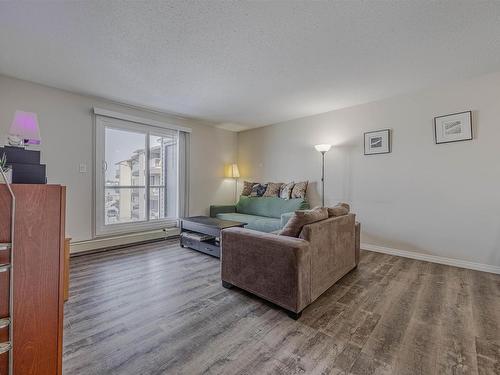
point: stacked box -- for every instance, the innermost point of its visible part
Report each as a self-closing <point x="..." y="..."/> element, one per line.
<point x="26" y="166"/>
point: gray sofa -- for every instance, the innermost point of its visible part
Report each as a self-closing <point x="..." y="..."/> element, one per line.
<point x="290" y="272"/>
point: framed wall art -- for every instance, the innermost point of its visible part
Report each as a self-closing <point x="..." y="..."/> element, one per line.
<point x="378" y="142"/>
<point x="456" y="127"/>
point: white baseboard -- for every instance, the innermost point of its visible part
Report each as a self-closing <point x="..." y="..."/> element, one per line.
<point x="432" y="258"/>
<point x="126" y="239"/>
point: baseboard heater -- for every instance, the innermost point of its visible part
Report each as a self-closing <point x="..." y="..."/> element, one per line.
<point x="97" y="244"/>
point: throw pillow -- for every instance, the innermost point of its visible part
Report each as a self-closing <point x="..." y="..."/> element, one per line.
<point x="339" y="209"/>
<point x="247" y="188"/>
<point x="286" y="190"/>
<point x="301" y="218"/>
<point x="273" y="189"/>
<point x="258" y="190"/>
<point x="299" y="190"/>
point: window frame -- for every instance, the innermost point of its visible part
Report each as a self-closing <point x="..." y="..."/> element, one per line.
<point x="148" y="128"/>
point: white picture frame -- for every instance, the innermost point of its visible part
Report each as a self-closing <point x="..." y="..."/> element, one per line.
<point x="456" y="127"/>
<point x="378" y="142"/>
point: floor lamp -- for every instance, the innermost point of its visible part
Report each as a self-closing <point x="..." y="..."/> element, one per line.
<point x="324" y="148"/>
<point x="233" y="172"/>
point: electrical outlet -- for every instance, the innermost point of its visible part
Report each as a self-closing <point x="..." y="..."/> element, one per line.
<point x="83" y="168"/>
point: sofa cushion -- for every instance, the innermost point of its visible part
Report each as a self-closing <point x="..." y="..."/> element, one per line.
<point x="269" y="206"/>
<point x="285" y="218"/>
<point x="258" y="190"/>
<point x="247" y="188"/>
<point x="221" y="209"/>
<point x="273" y="189"/>
<point x="286" y="190"/>
<point x="260" y="223"/>
<point x="339" y="209"/>
<point x="299" y="190"/>
<point x="301" y="218"/>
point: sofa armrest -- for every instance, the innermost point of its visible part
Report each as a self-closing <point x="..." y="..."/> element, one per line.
<point x="333" y="250"/>
<point x="285" y="218"/>
<point x="222" y="209"/>
<point x="273" y="267"/>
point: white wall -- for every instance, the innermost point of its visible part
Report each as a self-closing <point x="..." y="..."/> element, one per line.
<point x="66" y="123"/>
<point x="442" y="200"/>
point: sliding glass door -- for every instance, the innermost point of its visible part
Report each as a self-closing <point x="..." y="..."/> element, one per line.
<point x="137" y="185"/>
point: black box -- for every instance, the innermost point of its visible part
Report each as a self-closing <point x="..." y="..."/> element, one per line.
<point x="28" y="173"/>
<point x="20" y="155"/>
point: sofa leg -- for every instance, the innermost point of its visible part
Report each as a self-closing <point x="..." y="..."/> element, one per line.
<point x="294" y="315"/>
<point x="226" y="285"/>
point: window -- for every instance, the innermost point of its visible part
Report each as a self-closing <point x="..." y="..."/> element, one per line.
<point x="137" y="176"/>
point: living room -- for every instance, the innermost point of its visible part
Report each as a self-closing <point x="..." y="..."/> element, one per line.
<point x="249" y="187"/>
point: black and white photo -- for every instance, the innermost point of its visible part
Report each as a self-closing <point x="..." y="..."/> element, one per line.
<point x="378" y="142"/>
<point x="453" y="128"/>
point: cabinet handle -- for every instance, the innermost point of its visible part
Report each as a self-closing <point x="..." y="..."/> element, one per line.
<point x="5" y="322"/>
<point x="4" y="267"/>
<point x="4" y="246"/>
<point x="5" y="347"/>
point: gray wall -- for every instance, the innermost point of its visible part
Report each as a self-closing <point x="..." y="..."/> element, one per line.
<point x="442" y="200"/>
<point x="66" y="123"/>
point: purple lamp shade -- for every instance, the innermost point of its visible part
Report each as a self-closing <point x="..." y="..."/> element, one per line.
<point x="25" y="126"/>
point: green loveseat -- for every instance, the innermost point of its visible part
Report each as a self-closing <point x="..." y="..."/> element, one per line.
<point x="265" y="214"/>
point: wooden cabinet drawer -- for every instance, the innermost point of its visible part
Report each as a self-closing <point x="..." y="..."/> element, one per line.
<point x="4" y="256"/>
<point x="4" y="358"/>
<point x="204" y="247"/>
<point x="4" y="308"/>
<point x="4" y="335"/>
<point x="4" y="363"/>
<point x="4" y="294"/>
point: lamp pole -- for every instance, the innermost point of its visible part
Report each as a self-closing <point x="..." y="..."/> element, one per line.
<point x="236" y="190"/>
<point x="233" y="172"/>
<point x="323" y="148"/>
<point x="323" y="178"/>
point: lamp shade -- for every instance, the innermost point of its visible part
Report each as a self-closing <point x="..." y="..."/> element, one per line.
<point x="25" y="126"/>
<point x="232" y="171"/>
<point x="323" y="147"/>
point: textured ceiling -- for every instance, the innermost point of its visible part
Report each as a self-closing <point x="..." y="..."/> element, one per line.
<point x="245" y="64"/>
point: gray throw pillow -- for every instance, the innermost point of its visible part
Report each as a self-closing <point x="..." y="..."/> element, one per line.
<point x="273" y="189"/>
<point x="339" y="209"/>
<point x="247" y="188"/>
<point x="299" y="190"/>
<point x="286" y="190"/>
<point x="258" y="190"/>
<point x="301" y="218"/>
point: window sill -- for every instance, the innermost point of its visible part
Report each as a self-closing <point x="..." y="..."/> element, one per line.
<point x="134" y="227"/>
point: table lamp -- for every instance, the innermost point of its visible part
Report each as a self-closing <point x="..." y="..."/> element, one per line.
<point x="24" y="130"/>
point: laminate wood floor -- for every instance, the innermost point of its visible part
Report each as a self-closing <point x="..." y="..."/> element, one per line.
<point x="161" y="309"/>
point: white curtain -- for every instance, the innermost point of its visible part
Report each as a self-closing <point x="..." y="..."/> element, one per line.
<point x="184" y="152"/>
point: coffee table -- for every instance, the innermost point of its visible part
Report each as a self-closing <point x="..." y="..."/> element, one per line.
<point x="194" y="228"/>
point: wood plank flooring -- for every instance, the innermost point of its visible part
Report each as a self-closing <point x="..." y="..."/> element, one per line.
<point x="161" y="309"/>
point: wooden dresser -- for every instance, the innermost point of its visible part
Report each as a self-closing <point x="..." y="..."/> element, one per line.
<point x="38" y="272"/>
